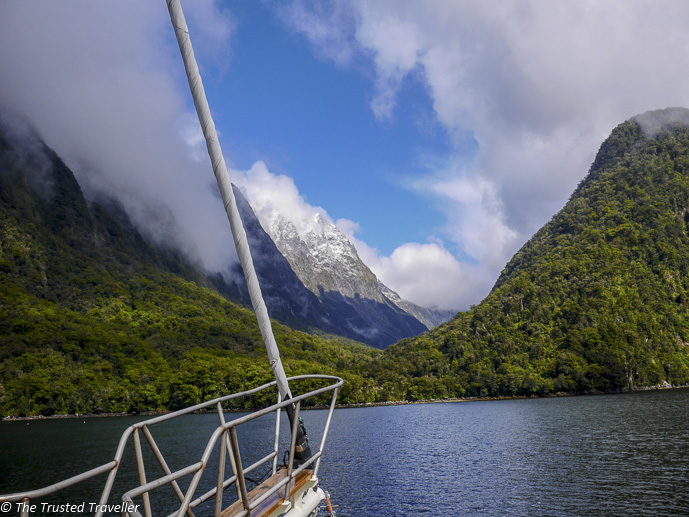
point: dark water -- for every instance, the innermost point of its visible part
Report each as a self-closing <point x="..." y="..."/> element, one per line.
<point x="624" y="454"/>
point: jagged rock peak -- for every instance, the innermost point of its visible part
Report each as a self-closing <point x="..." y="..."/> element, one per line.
<point x="328" y="265"/>
<point x="320" y="255"/>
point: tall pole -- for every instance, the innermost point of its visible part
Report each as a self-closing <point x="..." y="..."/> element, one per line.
<point x="220" y="170"/>
<point x="303" y="450"/>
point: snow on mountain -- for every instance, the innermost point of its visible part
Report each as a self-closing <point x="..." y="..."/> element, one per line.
<point x="364" y="319"/>
<point x="323" y="258"/>
<point x="326" y="261"/>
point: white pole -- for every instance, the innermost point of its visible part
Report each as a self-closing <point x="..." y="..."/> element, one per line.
<point x="220" y="170"/>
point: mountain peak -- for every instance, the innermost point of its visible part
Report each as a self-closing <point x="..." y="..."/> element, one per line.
<point x="320" y="255"/>
<point x="336" y="303"/>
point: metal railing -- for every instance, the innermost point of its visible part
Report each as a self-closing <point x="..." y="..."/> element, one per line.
<point x="225" y="433"/>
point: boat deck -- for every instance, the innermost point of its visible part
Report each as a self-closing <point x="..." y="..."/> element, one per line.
<point x="273" y="502"/>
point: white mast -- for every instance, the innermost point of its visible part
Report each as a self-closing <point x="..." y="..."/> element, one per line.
<point x="220" y="170"/>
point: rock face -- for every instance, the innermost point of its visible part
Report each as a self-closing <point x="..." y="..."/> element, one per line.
<point x="312" y="277"/>
<point x="324" y="259"/>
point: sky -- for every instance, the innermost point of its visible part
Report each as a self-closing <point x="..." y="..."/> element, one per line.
<point x="437" y="135"/>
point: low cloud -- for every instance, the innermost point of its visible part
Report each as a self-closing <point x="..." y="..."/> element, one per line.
<point x="29" y="151"/>
<point x="430" y="276"/>
<point x="276" y="195"/>
<point x="426" y="274"/>
<point x="97" y="81"/>
<point x="653" y="121"/>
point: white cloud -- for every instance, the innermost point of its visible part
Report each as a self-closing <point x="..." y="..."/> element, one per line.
<point x="474" y="216"/>
<point x="429" y="275"/>
<point x="99" y="82"/>
<point x="539" y="84"/>
<point x="426" y="274"/>
<point x="327" y="26"/>
<point x="276" y="195"/>
<point x="397" y="44"/>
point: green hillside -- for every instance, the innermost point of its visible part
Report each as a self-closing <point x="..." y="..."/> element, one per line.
<point x="95" y="319"/>
<point x="598" y="299"/>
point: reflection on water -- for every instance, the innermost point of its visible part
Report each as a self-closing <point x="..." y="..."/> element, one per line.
<point x="625" y="454"/>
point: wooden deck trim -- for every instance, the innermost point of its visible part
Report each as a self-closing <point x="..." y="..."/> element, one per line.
<point x="275" y="500"/>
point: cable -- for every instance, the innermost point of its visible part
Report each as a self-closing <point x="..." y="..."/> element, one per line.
<point x="261" y="479"/>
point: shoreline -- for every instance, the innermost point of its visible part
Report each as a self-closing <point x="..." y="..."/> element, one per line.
<point x="664" y="386"/>
<point x="558" y="394"/>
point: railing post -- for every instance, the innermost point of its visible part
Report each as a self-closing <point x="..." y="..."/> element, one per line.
<point x="164" y="465"/>
<point x="229" y="450"/>
<point x="221" y="474"/>
<point x="142" y="471"/>
<point x="276" y="446"/>
<point x="293" y="443"/>
<point x="25" y="507"/>
<point x="325" y="432"/>
<point x="240" y="471"/>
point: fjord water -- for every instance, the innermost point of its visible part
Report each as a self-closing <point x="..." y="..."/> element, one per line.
<point x="623" y="454"/>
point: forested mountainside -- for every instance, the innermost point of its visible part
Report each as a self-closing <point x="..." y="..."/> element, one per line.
<point x="93" y="318"/>
<point x="597" y="299"/>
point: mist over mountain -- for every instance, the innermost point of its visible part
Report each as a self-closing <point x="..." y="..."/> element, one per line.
<point x="44" y="205"/>
<point x="95" y="318"/>
<point x="330" y="290"/>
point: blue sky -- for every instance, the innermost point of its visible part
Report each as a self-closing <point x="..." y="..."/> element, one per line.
<point x="307" y="118"/>
<point x="437" y="135"/>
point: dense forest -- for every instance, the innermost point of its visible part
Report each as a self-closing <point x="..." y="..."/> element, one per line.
<point x="597" y="299"/>
<point x="94" y="318"/>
